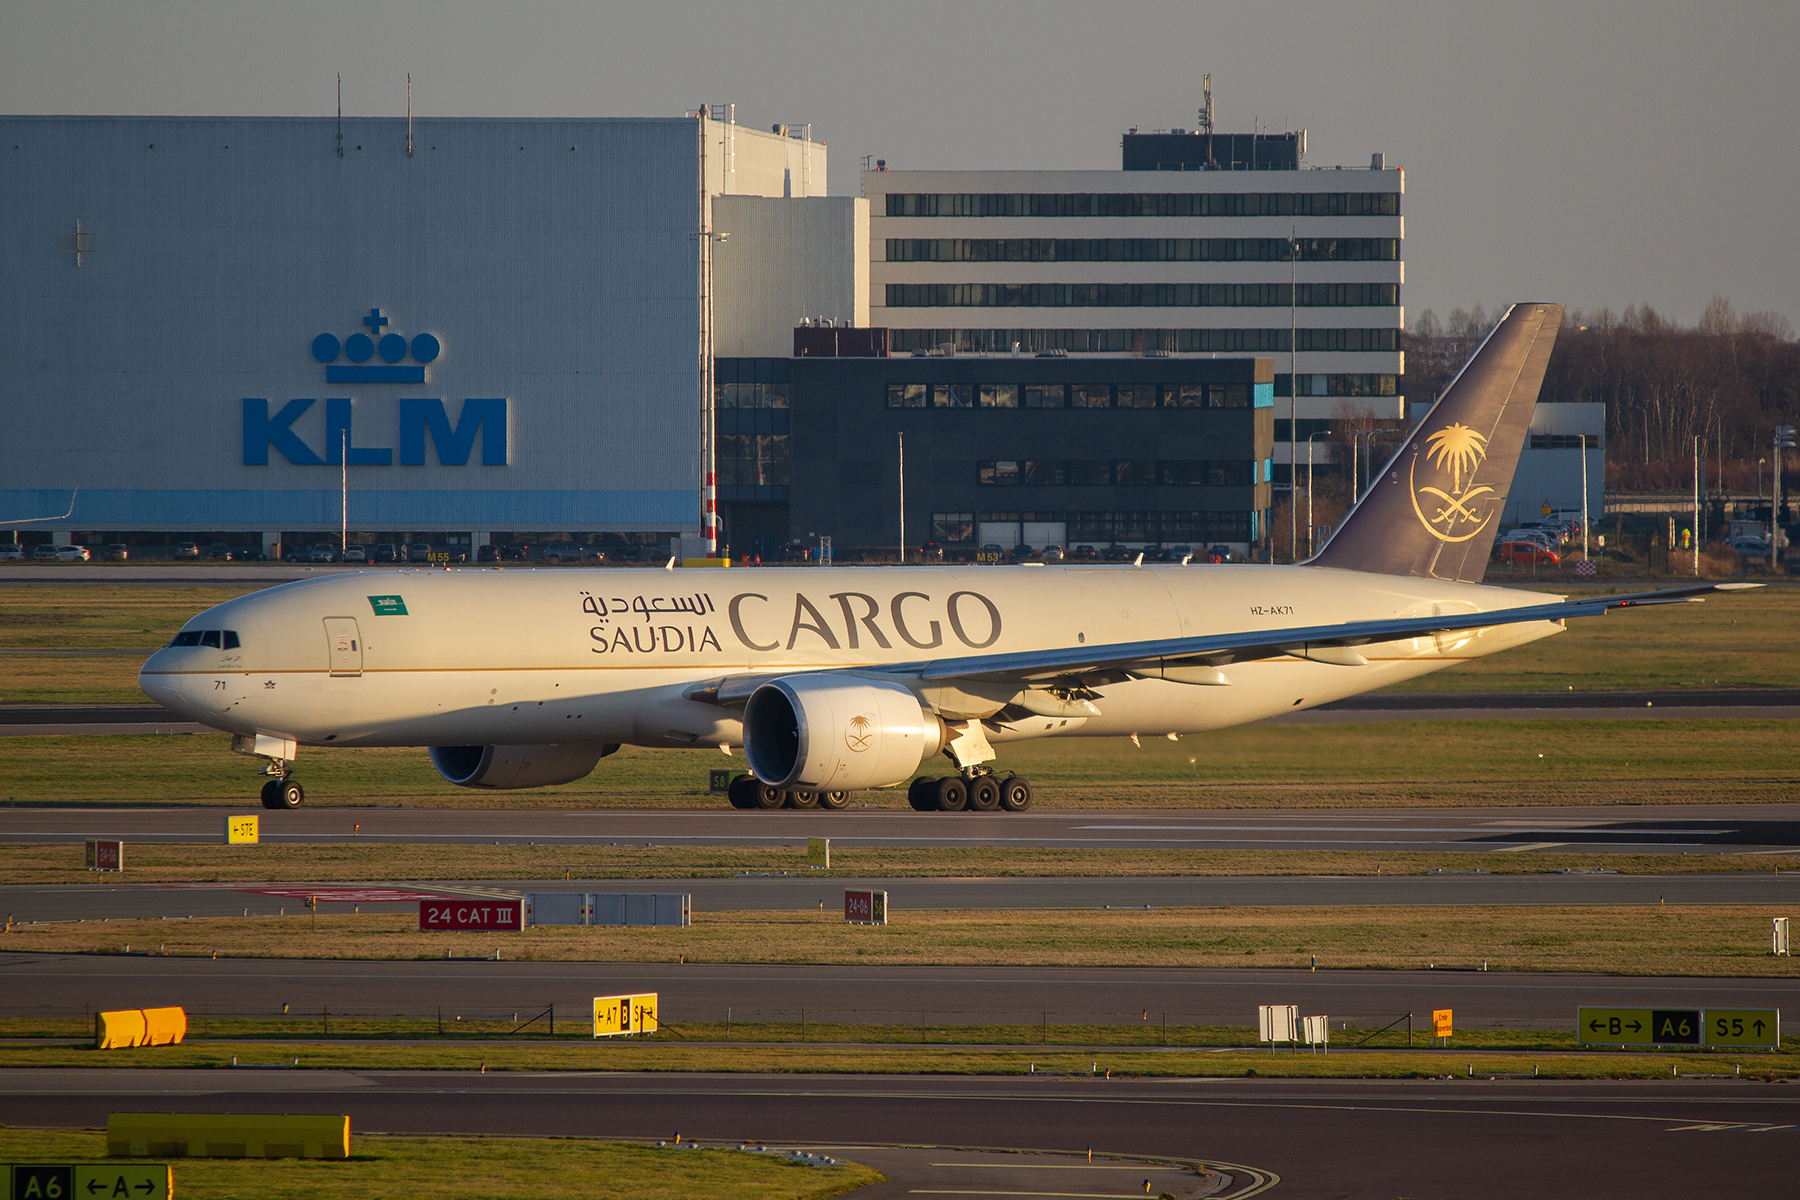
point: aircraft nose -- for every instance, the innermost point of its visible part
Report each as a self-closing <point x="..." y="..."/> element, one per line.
<point x="160" y="679"/>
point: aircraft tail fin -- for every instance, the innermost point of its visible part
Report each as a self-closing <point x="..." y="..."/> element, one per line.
<point x="1434" y="510"/>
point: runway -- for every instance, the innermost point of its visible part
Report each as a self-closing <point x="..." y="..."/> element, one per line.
<point x="1323" y="1138"/>
<point x="56" y="984"/>
<point x="1665" y="829"/>
<point x="793" y="892"/>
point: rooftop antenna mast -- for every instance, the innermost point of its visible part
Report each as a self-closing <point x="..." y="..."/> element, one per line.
<point x="1206" y="114"/>
<point x="340" y="123"/>
<point x="409" y="140"/>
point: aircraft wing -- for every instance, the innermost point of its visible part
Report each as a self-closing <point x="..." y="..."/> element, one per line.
<point x="1321" y="643"/>
<point x="1324" y="643"/>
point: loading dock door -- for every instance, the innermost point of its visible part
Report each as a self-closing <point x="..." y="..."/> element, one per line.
<point x="344" y="643"/>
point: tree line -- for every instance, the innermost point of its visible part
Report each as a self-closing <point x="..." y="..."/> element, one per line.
<point x="1729" y="380"/>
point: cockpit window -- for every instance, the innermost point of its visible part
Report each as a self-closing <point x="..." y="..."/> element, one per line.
<point x="231" y="639"/>
<point x="210" y="638"/>
<point x="187" y="637"/>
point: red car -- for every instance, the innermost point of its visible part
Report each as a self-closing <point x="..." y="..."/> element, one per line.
<point x="1525" y="552"/>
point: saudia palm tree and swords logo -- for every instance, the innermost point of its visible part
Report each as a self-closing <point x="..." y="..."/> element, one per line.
<point x="1454" y="451"/>
<point x="858" y="736"/>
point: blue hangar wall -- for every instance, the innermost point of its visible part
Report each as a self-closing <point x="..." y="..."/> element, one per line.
<point x="500" y="329"/>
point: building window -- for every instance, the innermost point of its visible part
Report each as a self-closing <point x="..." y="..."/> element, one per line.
<point x="1565" y="441"/>
<point x="1090" y="395"/>
<point x="753" y="459"/>
<point x="999" y="395"/>
<point x="1044" y="395"/>
<point x="1137" y="395"/>
<point x="1136" y="472"/>
<point x="952" y="395"/>
<point x="1143" y="204"/>
<point x="906" y="395"/>
<point x="1043" y="473"/>
<point x="1139" y="295"/>
<point x="952" y="527"/>
<point x="1004" y="472"/>
<point x="1120" y="341"/>
<point x="1229" y="395"/>
<point x="1053" y="250"/>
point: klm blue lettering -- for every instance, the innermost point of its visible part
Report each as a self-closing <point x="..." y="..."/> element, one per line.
<point x="420" y="420"/>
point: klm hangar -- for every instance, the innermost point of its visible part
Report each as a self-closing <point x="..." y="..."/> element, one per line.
<point x="244" y="327"/>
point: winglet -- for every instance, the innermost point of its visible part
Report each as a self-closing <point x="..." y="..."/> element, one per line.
<point x="1435" y="508"/>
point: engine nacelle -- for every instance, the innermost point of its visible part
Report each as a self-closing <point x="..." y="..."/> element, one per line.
<point x="830" y="733"/>
<point x="517" y="766"/>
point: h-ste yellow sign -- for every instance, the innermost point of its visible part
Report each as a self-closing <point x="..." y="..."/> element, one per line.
<point x="1678" y="1027"/>
<point x="614" y="1015"/>
<point x="242" y="831"/>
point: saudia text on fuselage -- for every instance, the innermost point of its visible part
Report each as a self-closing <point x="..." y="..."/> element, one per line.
<point x="644" y="624"/>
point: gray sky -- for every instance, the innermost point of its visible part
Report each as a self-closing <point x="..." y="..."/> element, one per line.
<point x="1579" y="151"/>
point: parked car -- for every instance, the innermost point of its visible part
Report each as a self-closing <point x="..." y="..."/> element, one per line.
<point x="991" y="553"/>
<point x="1084" y="553"/>
<point x="1522" y="551"/>
<point x="322" y="552"/>
<point x="187" y="550"/>
<point x="219" y="552"/>
<point x="1218" y="554"/>
<point x="487" y="554"/>
<point x="1053" y="553"/>
<point x="386" y="552"/>
<point x="1021" y="552"/>
<point x="60" y="554"/>
<point x="1750" y="548"/>
<point x="417" y="552"/>
<point x="1177" y="554"/>
<point x="558" y="552"/>
<point x="118" y="552"/>
<point x="12" y="553"/>
<point x="1117" y="553"/>
<point x="248" y="554"/>
<point x="355" y="554"/>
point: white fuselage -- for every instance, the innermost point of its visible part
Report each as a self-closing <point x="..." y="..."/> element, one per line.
<point x="511" y="657"/>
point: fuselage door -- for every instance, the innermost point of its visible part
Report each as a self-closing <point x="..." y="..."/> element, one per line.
<point x="344" y="644"/>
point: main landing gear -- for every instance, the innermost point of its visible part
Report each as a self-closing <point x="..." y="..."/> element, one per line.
<point x="983" y="792"/>
<point x="283" y="791"/>
<point x="747" y="791"/>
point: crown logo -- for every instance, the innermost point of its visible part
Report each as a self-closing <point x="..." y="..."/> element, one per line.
<point x="391" y="348"/>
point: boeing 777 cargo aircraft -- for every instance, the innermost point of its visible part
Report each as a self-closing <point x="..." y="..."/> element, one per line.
<point x="844" y="678"/>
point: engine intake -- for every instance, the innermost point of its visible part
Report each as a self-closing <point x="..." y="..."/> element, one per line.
<point x="507" y="767"/>
<point x="833" y="733"/>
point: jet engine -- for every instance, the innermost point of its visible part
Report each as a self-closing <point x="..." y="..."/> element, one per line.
<point x="517" y="766"/>
<point x="836" y="733"/>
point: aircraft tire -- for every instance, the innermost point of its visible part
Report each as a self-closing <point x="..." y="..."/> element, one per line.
<point x="1015" y="795"/>
<point x="802" y="799"/>
<point x="271" y="794"/>
<point x="834" y="801"/>
<point x="291" y="795"/>
<point x="951" y="793"/>
<point x="984" y="794"/>
<point x="922" y="796"/>
<point x="769" y="797"/>
<point x="742" y="792"/>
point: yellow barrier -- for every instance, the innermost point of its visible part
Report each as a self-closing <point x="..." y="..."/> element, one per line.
<point x="139" y="1027"/>
<point x="215" y="1135"/>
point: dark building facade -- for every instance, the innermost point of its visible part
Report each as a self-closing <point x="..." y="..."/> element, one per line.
<point x="1104" y="451"/>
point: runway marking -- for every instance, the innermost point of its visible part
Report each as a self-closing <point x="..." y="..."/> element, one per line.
<point x="1723" y="1127"/>
<point x="1052" y="1167"/>
<point x="1533" y="846"/>
<point x="974" y="1192"/>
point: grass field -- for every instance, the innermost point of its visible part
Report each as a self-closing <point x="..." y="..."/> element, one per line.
<point x="1729" y="641"/>
<point x="24" y="863"/>
<point x="473" y="1168"/>
<point x="1635" y="940"/>
<point x="1400" y="763"/>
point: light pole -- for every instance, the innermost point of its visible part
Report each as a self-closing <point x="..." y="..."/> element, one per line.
<point x="1310" y="527"/>
<point x="1293" y="380"/>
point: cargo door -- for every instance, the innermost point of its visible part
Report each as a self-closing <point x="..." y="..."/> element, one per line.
<point x="344" y="644"/>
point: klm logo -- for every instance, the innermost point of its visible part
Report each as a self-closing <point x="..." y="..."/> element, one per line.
<point x="420" y="420"/>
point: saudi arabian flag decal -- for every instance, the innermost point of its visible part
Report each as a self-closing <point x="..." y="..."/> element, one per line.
<point x="388" y="606"/>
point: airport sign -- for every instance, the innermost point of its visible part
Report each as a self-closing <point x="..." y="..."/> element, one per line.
<point x="105" y="855"/>
<point x="1677" y="1027"/>
<point x="615" y="1015"/>
<point x="865" y="908"/>
<point x="76" y="1181"/>
<point x="818" y="852"/>
<point x="242" y="831"/>
<point x="472" y="915"/>
<point x="1441" y="1022"/>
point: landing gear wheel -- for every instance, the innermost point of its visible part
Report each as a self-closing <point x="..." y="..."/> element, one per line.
<point x="1015" y="795"/>
<point x="742" y="792"/>
<point x="768" y="797"/>
<point x="803" y="800"/>
<point x="984" y="793"/>
<point x="289" y="794"/>
<point x="922" y="795"/>
<point x="271" y="794"/>
<point x="952" y="794"/>
<point x="834" y="801"/>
